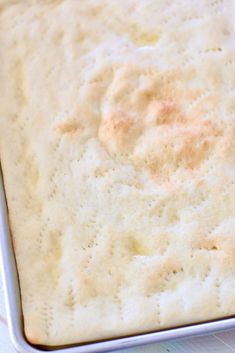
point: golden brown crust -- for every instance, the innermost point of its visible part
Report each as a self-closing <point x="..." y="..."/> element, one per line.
<point x="68" y="126"/>
<point x="118" y="153"/>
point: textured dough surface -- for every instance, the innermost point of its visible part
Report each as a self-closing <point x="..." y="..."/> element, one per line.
<point x="117" y="141"/>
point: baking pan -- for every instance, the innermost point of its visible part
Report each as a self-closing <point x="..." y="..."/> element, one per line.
<point x="15" y="317"/>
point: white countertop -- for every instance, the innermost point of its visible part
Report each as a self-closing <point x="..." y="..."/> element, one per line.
<point x="218" y="343"/>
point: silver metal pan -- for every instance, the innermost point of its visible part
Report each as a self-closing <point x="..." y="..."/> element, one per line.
<point x="15" y="317"/>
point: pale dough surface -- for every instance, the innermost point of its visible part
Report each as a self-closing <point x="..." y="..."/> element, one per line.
<point x="117" y="142"/>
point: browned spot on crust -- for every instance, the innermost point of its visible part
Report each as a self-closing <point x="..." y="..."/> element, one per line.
<point x="205" y="243"/>
<point x="119" y="123"/>
<point x="165" y="112"/>
<point x="155" y="126"/>
<point x="118" y="131"/>
<point x="175" y="140"/>
<point x="69" y="126"/>
<point x="226" y="246"/>
<point x="161" y="142"/>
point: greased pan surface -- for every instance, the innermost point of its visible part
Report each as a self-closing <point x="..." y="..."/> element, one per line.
<point x="14" y="312"/>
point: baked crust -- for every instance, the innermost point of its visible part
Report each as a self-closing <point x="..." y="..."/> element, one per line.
<point x="117" y="141"/>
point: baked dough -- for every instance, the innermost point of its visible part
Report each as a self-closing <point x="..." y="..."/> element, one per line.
<point x="117" y="140"/>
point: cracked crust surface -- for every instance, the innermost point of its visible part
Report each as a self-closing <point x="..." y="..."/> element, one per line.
<point x="117" y="142"/>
